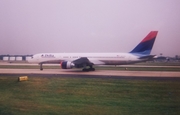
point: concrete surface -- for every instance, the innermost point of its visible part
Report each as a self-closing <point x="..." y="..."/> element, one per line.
<point x="97" y="72"/>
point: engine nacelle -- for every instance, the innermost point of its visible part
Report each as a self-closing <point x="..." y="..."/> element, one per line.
<point x="67" y="65"/>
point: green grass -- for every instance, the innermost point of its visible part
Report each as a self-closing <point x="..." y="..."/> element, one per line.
<point x="88" y="96"/>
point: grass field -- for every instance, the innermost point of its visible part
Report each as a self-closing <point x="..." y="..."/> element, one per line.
<point x="58" y="95"/>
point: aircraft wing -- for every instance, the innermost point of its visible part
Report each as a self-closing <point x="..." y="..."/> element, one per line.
<point x="97" y="62"/>
<point x="82" y="60"/>
<point x="85" y="60"/>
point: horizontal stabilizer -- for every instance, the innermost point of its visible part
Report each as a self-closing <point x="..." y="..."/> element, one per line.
<point x="148" y="56"/>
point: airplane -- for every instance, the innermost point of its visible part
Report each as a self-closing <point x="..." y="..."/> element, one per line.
<point x="86" y="61"/>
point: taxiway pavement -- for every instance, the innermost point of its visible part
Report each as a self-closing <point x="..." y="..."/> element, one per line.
<point x="92" y="73"/>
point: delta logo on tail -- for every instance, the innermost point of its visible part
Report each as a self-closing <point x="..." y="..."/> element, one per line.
<point x="86" y="61"/>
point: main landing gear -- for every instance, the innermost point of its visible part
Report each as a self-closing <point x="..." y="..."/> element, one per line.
<point x="88" y="69"/>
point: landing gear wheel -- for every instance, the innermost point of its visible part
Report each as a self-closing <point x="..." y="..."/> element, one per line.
<point x="41" y="68"/>
<point x="85" y="70"/>
<point x="91" y="69"/>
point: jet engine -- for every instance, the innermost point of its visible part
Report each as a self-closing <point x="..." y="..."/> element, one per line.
<point x="67" y="65"/>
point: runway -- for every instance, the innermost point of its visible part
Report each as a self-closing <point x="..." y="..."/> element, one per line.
<point x="92" y="73"/>
<point x="30" y="64"/>
<point x="76" y="72"/>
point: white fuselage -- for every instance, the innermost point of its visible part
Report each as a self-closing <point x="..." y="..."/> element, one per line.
<point x="95" y="58"/>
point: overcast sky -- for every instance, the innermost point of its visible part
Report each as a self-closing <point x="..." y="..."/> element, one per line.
<point x="57" y="26"/>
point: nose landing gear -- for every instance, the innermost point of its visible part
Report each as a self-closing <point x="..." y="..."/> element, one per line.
<point x="41" y="68"/>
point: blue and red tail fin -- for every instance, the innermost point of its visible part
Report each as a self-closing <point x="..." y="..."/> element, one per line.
<point x="145" y="46"/>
